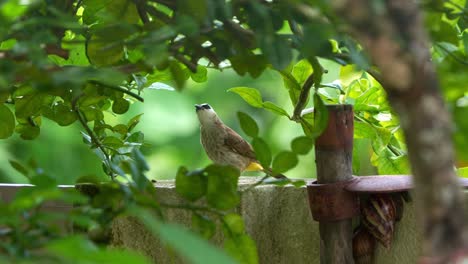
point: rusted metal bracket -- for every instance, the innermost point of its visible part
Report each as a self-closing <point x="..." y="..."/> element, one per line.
<point x="332" y="202"/>
<point x="337" y="201"/>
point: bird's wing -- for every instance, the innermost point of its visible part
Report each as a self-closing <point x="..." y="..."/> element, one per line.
<point x="238" y="145"/>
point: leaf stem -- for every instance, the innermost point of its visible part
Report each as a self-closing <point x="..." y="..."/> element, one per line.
<point x="94" y="138"/>
<point x="118" y="88"/>
<point x="303" y="97"/>
<point x="192" y="207"/>
<point x="252" y="186"/>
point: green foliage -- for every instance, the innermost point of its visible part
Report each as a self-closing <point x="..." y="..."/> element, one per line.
<point x="284" y="161"/>
<point x="262" y="152"/>
<point x="78" y="249"/>
<point x="254" y="98"/>
<point x="8" y="122"/>
<point x="247" y="123"/>
<point x="190" y="246"/>
<point x="302" y="145"/>
<point x="83" y="62"/>
<point x="192" y="186"/>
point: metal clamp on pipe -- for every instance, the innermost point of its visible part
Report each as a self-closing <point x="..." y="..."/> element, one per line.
<point x="331" y="202"/>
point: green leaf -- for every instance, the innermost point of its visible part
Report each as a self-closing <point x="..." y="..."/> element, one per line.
<point x="77" y="249"/>
<point x="121" y="129"/>
<point x="193" y="248"/>
<point x="262" y="152"/>
<point x="112" y="142"/>
<point x="18" y="167"/>
<point x="465" y="41"/>
<point x="284" y="161"/>
<point x="103" y="52"/>
<point x="43" y="181"/>
<point x="250" y="95"/>
<point x="301" y="71"/>
<point x="133" y="122"/>
<point x="291" y="84"/>
<point x="204" y="226"/>
<point x="7" y="121"/>
<point x="275" y="109"/>
<point x="222" y="187"/>
<point x="242" y="248"/>
<point x="28" y="128"/>
<point x="191" y="185"/>
<point x="30" y="104"/>
<point x="463" y="172"/>
<point x="387" y="163"/>
<point x="120" y="106"/>
<point x="302" y="145"/>
<point x="200" y="76"/>
<point x="178" y="74"/>
<point x="61" y="113"/>
<point x="320" y="115"/>
<point x="248" y="124"/>
<point x="234" y="223"/>
<point x="277" y="50"/>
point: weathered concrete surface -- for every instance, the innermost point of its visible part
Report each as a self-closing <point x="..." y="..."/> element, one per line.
<point x="278" y="219"/>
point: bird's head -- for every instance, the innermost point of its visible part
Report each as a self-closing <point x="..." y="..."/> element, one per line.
<point x="206" y="114"/>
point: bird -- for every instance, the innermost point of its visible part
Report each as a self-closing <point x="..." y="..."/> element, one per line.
<point x="225" y="146"/>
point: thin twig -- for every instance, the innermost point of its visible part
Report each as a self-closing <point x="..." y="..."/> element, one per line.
<point x="453" y="56"/>
<point x="78" y="4"/>
<point x="192" y="208"/>
<point x="190" y="65"/>
<point x="158" y="14"/>
<point x="303" y="96"/>
<point x="94" y="138"/>
<point x="118" y="88"/>
<point x="142" y="9"/>
<point x="259" y="182"/>
<point x="169" y="3"/>
<point x="295" y="28"/>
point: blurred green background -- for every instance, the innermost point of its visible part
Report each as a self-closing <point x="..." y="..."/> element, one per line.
<point x="171" y="131"/>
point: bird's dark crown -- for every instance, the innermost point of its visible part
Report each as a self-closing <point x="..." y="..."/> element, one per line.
<point x="202" y="107"/>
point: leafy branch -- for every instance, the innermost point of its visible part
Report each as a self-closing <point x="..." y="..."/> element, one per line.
<point x="94" y="138"/>
<point x="119" y="89"/>
<point x="303" y="97"/>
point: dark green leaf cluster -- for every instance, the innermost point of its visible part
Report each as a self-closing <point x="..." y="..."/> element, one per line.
<point x="216" y="186"/>
<point x="31" y="234"/>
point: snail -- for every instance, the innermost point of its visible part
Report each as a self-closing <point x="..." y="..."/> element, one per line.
<point x="363" y="246"/>
<point x="378" y="217"/>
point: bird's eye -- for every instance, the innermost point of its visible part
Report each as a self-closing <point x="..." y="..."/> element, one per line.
<point x="206" y="106"/>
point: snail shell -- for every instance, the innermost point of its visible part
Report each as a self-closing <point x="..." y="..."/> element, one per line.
<point x="363" y="246"/>
<point x="378" y="216"/>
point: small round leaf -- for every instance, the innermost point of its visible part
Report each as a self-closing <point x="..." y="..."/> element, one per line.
<point x="284" y="161"/>
<point x="248" y="124"/>
<point x="120" y="106"/>
<point x="7" y="119"/>
<point x="302" y="145"/>
<point x="262" y="152"/>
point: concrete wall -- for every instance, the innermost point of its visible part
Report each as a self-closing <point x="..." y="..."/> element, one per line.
<point x="278" y="219"/>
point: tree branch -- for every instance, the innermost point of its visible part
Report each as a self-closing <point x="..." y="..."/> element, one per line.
<point x="303" y="97"/>
<point x="118" y="88"/>
<point x="94" y="138"/>
<point x="142" y="9"/>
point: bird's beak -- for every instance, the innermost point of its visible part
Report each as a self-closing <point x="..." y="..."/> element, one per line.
<point x="198" y="107"/>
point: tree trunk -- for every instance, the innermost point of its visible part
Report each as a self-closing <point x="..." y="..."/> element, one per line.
<point x="393" y="34"/>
